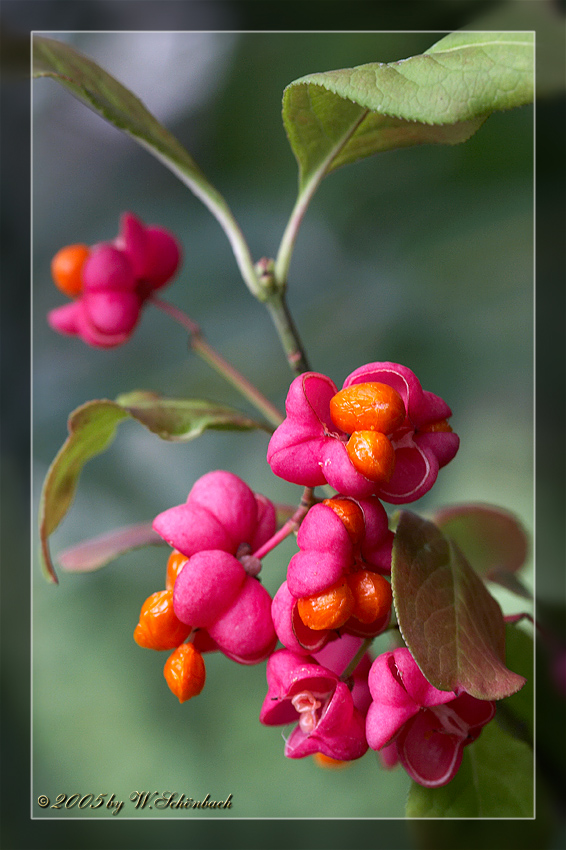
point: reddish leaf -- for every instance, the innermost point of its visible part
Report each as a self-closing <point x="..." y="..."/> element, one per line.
<point x="452" y="625"/>
<point x="95" y="553"/>
<point x="492" y="539"/>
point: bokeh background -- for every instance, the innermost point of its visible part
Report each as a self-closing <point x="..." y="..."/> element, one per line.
<point x="424" y="256"/>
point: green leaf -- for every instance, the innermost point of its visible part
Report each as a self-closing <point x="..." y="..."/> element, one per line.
<point x="92" y="428"/>
<point x="92" y="554"/>
<point x="183" y="419"/>
<point x="452" y="625"/>
<point x="495" y="780"/>
<point x="440" y="97"/>
<point x="492" y="539"/>
<point x="109" y="98"/>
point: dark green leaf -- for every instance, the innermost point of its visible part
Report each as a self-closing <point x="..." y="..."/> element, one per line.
<point x="452" y="625"/>
<point x="492" y="539"/>
<point x="516" y="713"/>
<point x="441" y="97"/>
<point x="92" y="428"/>
<point x="495" y="780"/>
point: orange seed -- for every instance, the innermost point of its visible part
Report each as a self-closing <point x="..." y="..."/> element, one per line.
<point x="372" y="454"/>
<point x="159" y="627"/>
<point x="441" y="425"/>
<point x="351" y="515"/>
<point x="367" y="407"/>
<point x="175" y="564"/>
<point x="66" y="268"/>
<point x="185" y="672"/>
<point x="329" y="609"/>
<point x="327" y="761"/>
<point x="372" y="595"/>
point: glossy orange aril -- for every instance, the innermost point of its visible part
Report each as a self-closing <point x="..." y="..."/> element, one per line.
<point x="184" y="672"/>
<point x="372" y="454"/>
<point x="372" y="596"/>
<point x="329" y="609"/>
<point x="441" y="425"/>
<point x="327" y="761"/>
<point x="367" y="407"/>
<point x="159" y="628"/>
<point x="66" y="269"/>
<point x="351" y="515"/>
<point x="175" y="564"/>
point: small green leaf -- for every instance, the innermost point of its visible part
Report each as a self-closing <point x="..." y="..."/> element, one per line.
<point x="92" y="428"/>
<point x="105" y="95"/>
<point x="95" y="553"/>
<point x="492" y="539"/>
<point x="442" y="97"/>
<point x="450" y="622"/>
<point x="495" y="780"/>
<point x="183" y="419"/>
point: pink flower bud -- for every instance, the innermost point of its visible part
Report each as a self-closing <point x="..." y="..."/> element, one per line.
<point x="245" y="631"/>
<point x="108" y="269"/>
<point x="206" y="587"/>
<point x="302" y="691"/>
<point x="309" y="448"/>
<point x="221" y="512"/>
<point x="219" y="526"/>
<point x="428" y="727"/>
<point x="112" y="311"/>
<point x="114" y="281"/>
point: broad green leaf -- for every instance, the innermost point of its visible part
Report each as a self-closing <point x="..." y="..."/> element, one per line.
<point x="547" y="20"/>
<point x="92" y="428"/>
<point x="442" y="97"/>
<point x="99" y="551"/>
<point x="495" y="780"/>
<point x="492" y="539"/>
<point x="452" y="625"/>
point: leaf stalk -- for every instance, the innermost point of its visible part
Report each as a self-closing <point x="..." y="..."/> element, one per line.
<point x="207" y="353"/>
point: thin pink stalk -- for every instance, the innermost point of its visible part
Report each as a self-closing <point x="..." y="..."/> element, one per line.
<point x="547" y="636"/>
<point x="289" y="527"/>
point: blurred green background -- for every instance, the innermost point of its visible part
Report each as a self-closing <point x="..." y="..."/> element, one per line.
<point x="422" y="256"/>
